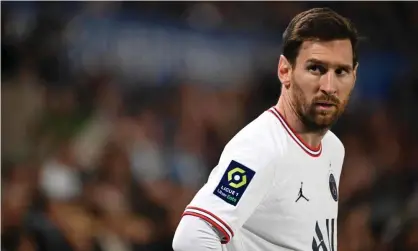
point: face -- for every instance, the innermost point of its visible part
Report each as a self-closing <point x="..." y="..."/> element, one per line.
<point x="320" y="82"/>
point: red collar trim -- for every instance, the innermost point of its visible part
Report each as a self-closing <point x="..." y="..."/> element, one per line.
<point x="312" y="151"/>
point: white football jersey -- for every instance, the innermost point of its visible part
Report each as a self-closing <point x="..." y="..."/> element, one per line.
<point x="271" y="192"/>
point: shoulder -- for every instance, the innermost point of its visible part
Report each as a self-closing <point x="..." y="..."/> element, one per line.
<point x="334" y="144"/>
<point x="255" y="143"/>
<point x="334" y="141"/>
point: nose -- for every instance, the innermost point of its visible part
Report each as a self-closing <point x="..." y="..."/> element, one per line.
<point x="328" y="83"/>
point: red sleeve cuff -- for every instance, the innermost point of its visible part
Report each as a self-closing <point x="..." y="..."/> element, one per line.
<point x="212" y="219"/>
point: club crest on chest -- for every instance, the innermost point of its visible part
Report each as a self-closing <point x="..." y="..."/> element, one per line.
<point x="333" y="187"/>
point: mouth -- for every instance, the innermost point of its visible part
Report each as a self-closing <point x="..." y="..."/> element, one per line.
<point x="325" y="105"/>
<point x="325" y="102"/>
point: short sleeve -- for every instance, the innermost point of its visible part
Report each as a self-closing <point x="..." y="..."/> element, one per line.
<point x="236" y="186"/>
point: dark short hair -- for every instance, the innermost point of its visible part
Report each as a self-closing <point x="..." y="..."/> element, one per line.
<point x="321" y="24"/>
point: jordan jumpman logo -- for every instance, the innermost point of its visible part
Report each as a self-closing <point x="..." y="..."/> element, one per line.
<point x="301" y="193"/>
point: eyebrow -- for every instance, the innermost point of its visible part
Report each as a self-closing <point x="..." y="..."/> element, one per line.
<point x="320" y="62"/>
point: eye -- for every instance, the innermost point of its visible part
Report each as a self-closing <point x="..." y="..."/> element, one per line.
<point x="316" y="69"/>
<point x="341" y="72"/>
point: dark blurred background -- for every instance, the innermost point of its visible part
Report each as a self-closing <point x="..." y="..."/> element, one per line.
<point x="114" y="113"/>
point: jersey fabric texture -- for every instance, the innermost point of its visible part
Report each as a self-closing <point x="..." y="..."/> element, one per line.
<point x="271" y="192"/>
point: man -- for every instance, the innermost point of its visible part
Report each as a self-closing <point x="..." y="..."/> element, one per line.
<point x="251" y="200"/>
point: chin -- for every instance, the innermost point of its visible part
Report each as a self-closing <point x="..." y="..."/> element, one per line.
<point x="325" y="121"/>
<point x="323" y="126"/>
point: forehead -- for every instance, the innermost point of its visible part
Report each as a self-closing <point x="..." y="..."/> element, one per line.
<point x="335" y="52"/>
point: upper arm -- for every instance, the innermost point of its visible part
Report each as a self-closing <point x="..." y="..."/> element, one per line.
<point x="236" y="186"/>
<point x="193" y="234"/>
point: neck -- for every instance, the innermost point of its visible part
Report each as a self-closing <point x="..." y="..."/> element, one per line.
<point x="288" y="111"/>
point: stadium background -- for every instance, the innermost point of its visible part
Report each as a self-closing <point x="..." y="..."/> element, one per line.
<point x="113" y="115"/>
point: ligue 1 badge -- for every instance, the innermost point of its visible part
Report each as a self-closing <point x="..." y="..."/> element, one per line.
<point x="333" y="187"/>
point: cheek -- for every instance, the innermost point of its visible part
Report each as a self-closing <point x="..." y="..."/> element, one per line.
<point x="306" y="82"/>
<point x="345" y="89"/>
<point x="301" y="97"/>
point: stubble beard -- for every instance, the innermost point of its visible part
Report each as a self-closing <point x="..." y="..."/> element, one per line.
<point x="313" y="119"/>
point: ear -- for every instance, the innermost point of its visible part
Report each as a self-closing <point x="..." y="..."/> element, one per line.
<point x="355" y="71"/>
<point x="284" y="70"/>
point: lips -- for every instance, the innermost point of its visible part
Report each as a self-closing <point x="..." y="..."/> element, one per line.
<point x="325" y="103"/>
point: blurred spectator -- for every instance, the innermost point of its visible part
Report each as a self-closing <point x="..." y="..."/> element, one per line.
<point x="24" y="93"/>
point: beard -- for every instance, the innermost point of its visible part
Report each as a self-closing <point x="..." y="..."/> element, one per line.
<point x="310" y="113"/>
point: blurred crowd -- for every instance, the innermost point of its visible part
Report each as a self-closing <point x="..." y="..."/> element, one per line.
<point x="92" y="160"/>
